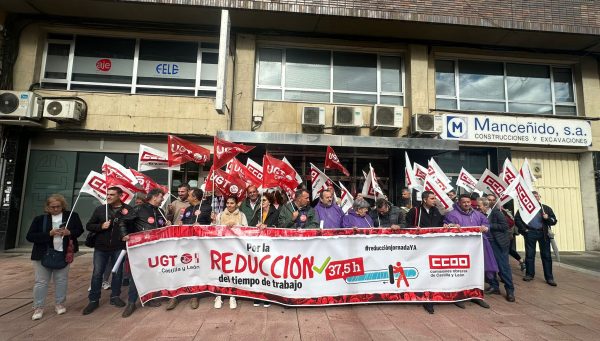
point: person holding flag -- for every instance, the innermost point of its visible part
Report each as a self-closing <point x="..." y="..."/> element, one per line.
<point x="298" y="213"/>
<point x="536" y="231"/>
<point x="147" y="216"/>
<point x="107" y="247"/>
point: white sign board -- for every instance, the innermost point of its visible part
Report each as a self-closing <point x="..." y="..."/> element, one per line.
<point x="520" y="130"/>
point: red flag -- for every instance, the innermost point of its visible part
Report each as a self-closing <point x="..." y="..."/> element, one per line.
<point x="146" y="182"/>
<point x="332" y="162"/>
<point x="225" y="151"/>
<point x="227" y="184"/>
<point x="113" y="180"/>
<point x="277" y="173"/>
<point x="181" y="151"/>
<point x="236" y="167"/>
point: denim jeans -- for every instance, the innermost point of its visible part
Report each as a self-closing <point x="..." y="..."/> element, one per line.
<point x="501" y="255"/>
<point x="42" y="280"/>
<point x="531" y="238"/>
<point x="102" y="261"/>
<point x="133" y="293"/>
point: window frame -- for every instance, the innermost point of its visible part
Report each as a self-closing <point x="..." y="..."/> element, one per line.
<point x="197" y="88"/>
<point x="282" y="88"/>
<point x="507" y="101"/>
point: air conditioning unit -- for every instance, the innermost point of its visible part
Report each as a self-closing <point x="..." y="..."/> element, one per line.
<point x="347" y="117"/>
<point x="313" y="116"/>
<point x="64" y="110"/>
<point x="19" y="104"/>
<point x="387" y="117"/>
<point x="426" y="124"/>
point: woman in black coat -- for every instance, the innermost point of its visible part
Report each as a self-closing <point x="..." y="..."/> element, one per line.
<point x="269" y="213"/>
<point x="47" y="231"/>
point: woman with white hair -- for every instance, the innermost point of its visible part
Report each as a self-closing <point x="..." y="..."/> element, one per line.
<point x="357" y="216"/>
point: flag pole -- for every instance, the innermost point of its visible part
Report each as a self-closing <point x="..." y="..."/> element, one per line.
<point x="199" y="209"/>
<point x="73" y="209"/>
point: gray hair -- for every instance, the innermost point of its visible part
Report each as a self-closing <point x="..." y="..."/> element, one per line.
<point x="360" y="203"/>
<point x="484" y="201"/>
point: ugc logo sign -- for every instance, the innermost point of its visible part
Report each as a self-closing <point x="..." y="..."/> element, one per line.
<point x="456" y="126"/>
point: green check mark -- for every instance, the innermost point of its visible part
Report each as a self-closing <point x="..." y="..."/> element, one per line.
<point x="320" y="270"/>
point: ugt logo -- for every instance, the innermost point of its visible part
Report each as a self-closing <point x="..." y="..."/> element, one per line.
<point x="456" y="127"/>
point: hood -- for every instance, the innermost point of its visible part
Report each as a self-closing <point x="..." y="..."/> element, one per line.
<point x="458" y="209"/>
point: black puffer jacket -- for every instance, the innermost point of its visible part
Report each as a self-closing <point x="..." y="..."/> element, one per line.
<point x="39" y="234"/>
<point x="143" y="217"/>
<point x="395" y="216"/>
<point x="189" y="215"/>
<point x="109" y="239"/>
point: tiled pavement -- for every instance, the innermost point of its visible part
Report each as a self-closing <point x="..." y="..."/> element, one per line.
<point x="570" y="311"/>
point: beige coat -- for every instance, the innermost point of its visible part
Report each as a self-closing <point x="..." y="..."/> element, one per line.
<point x="232" y="218"/>
<point x="176" y="213"/>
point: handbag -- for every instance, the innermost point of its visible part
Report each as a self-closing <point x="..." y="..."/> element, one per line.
<point x="90" y="239"/>
<point x="53" y="259"/>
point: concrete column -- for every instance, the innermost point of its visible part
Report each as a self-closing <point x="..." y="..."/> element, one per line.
<point x="591" y="225"/>
<point x="243" y="84"/>
<point x="417" y="90"/>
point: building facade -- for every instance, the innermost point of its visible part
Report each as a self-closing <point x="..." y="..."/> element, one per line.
<point x="467" y="84"/>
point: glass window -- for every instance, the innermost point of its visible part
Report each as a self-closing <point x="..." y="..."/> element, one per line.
<point x="391" y="74"/>
<point x="109" y="64"/>
<point x="481" y="87"/>
<point x="103" y="60"/>
<point x="481" y="80"/>
<point x="57" y="61"/>
<point x="269" y="66"/>
<point x="307" y="69"/>
<point x="528" y="83"/>
<point x="444" y="78"/>
<point x="354" y="71"/>
<point x="167" y="63"/>
<point x="329" y="76"/>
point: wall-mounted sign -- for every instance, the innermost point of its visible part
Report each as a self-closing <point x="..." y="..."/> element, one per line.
<point x="521" y="130"/>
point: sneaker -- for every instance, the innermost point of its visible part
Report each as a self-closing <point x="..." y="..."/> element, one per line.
<point x="528" y="278"/>
<point x="89" y="289"/>
<point x="194" y="303"/>
<point x="522" y="265"/>
<point x="510" y="297"/>
<point x="117" y="302"/>
<point x="60" y="309"/>
<point x="218" y="302"/>
<point x="37" y="314"/>
<point x="232" y="303"/>
<point x="492" y="291"/>
<point x="266" y="304"/>
<point x="460" y="304"/>
<point x="256" y="303"/>
<point x="551" y="283"/>
<point x="90" y="307"/>
<point x="172" y="304"/>
<point x="128" y="310"/>
<point x="105" y="285"/>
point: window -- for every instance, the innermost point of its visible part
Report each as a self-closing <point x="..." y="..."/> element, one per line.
<point x="305" y="75"/>
<point x="130" y="65"/>
<point x="504" y="87"/>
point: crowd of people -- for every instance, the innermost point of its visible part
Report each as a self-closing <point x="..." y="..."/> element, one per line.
<point x="55" y="233"/>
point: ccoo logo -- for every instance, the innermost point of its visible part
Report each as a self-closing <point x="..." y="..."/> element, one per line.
<point x="456" y="126"/>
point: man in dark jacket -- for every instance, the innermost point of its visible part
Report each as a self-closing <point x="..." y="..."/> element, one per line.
<point x="499" y="237"/>
<point x="387" y="215"/>
<point x="147" y="216"/>
<point x="107" y="247"/>
<point x="298" y="213"/>
<point x="537" y="232"/>
<point x="425" y="215"/>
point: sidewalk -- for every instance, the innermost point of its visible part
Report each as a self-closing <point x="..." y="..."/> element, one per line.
<point x="570" y="311"/>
